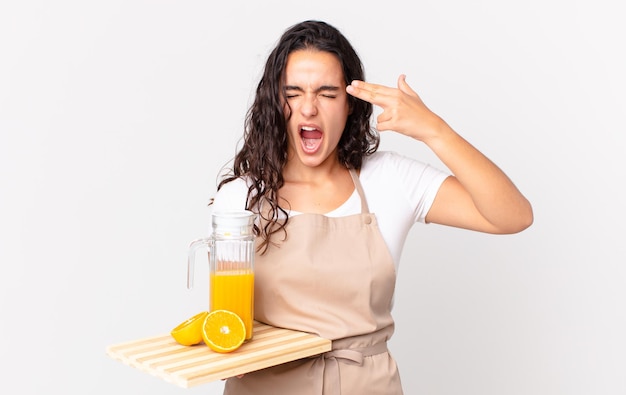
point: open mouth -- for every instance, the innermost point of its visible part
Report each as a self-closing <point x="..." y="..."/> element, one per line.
<point x="311" y="138"/>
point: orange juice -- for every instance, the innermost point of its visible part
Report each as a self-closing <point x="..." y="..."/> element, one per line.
<point x="233" y="290"/>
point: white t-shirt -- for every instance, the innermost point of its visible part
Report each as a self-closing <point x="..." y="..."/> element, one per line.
<point x="399" y="191"/>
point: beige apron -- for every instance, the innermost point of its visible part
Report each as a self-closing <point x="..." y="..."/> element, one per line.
<point x="333" y="277"/>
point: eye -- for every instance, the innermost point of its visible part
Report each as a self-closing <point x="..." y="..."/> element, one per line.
<point x="329" y="96"/>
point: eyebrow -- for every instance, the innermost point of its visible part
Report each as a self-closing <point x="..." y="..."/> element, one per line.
<point x="322" y="88"/>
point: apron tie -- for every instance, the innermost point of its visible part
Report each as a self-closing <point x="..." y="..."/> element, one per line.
<point x="332" y="382"/>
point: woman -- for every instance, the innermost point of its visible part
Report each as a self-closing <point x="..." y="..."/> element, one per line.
<point x="334" y="212"/>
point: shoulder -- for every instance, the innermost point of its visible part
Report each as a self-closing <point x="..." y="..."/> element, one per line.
<point x="392" y="166"/>
<point x="390" y="178"/>
<point x="232" y="195"/>
<point x="237" y="185"/>
<point x="389" y="158"/>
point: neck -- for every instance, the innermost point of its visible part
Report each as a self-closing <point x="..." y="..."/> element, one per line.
<point x="295" y="171"/>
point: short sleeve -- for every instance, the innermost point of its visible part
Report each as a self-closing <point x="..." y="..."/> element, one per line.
<point x="232" y="196"/>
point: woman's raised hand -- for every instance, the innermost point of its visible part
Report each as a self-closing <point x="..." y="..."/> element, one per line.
<point x="403" y="109"/>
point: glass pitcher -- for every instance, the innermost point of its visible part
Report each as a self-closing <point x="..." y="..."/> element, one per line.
<point x="231" y="264"/>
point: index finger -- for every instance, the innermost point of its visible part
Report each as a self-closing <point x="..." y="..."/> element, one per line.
<point x="366" y="91"/>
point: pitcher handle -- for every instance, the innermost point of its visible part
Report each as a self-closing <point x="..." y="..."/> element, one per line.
<point x="193" y="247"/>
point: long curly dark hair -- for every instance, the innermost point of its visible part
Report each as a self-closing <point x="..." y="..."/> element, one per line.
<point x="264" y="151"/>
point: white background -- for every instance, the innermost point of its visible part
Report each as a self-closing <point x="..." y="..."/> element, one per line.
<point x="116" y="116"/>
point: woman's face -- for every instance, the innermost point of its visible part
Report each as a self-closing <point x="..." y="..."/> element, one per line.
<point x="317" y="106"/>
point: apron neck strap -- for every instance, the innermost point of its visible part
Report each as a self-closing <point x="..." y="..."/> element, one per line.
<point x="357" y="184"/>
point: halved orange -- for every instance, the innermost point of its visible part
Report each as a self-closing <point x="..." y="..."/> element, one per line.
<point x="223" y="331"/>
<point x="189" y="332"/>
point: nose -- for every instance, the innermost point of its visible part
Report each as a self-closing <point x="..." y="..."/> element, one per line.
<point x="309" y="105"/>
